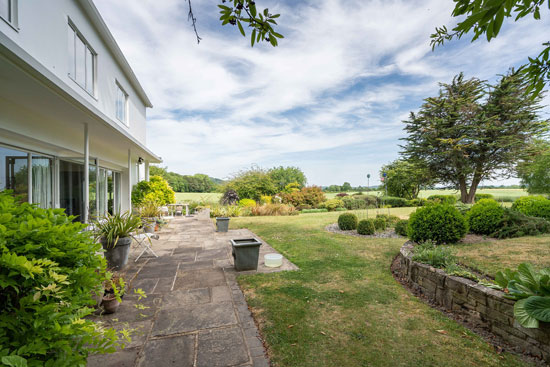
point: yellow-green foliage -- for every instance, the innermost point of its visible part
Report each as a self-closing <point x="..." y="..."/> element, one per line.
<point x="246" y="203"/>
<point x="156" y="189"/>
<point x="266" y="199"/>
<point x="49" y="270"/>
<point x="332" y="204"/>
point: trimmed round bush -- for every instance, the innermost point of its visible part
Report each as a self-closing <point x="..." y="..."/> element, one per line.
<point x="380" y="223"/>
<point x="533" y="206"/>
<point x="485" y="216"/>
<point x="347" y="221"/>
<point x="401" y="227"/>
<point x="440" y="223"/>
<point x="366" y="227"/>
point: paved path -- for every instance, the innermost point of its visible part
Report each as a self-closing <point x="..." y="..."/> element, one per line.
<point x="195" y="314"/>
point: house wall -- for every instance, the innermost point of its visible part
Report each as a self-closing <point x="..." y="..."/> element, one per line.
<point x="43" y="33"/>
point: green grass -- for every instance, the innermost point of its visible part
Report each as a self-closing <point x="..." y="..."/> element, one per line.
<point x="198" y="196"/>
<point x="493" y="255"/>
<point x="344" y="308"/>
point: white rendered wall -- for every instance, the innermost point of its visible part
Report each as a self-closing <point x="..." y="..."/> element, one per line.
<point x="43" y="33"/>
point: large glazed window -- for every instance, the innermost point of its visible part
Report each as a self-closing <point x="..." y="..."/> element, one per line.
<point x="121" y="104"/>
<point x="82" y="60"/>
<point x="8" y="11"/>
<point x="42" y="181"/>
<point x="14" y="174"/>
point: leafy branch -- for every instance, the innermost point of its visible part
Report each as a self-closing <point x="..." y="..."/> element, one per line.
<point x="485" y="17"/>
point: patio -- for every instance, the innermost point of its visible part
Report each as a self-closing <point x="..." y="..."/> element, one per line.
<point x="195" y="313"/>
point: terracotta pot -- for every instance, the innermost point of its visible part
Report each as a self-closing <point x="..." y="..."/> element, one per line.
<point x="110" y="304"/>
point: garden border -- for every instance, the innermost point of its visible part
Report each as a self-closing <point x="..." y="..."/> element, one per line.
<point x="481" y="305"/>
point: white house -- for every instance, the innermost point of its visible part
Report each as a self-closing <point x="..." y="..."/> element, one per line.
<point x="71" y="109"/>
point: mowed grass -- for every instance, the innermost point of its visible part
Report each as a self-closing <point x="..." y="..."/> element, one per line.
<point x="493" y="255"/>
<point x="182" y="197"/>
<point x="344" y="308"/>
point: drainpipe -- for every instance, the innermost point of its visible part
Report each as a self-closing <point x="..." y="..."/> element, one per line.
<point x="29" y="177"/>
<point x="129" y="180"/>
<point x="86" y="174"/>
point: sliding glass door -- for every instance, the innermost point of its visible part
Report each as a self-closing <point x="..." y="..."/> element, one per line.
<point x="71" y="188"/>
<point x="42" y="181"/>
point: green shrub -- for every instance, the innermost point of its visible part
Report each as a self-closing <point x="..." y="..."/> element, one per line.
<point x="305" y="211"/>
<point x="246" y="203"/>
<point x="390" y="219"/>
<point x="156" y="189"/>
<point x="331" y="204"/>
<point x="463" y="208"/>
<point x="401" y="227"/>
<point x="441" y="223"/>
<point x="252" y="184"/>
<point x="340" y="209"/>
<point x="380" y="223"/>
<point x="312" y="195"/>
<point x="417" y="202"/>
<point x="347" y="221"/>
<point x="485" y="216"/>
<point x="49" y="271"/>
<point x="436" y="256"/>
<point x="479" y="197"/>
<point x="394" y="202"/>
<point x="443" y="199"/>
<point x="366" y="227"/>
<point x="506" y="199"/>
<point x="354" y="203"/>
<point x="230" y="197"/>
<point x="515" y="224"/>
<point x="533" y="206"/>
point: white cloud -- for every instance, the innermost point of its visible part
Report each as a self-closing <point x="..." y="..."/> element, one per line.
<point x="341" y="81"/>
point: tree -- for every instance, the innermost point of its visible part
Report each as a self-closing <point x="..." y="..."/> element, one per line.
<point x="252" y="184"/>
<point x="239" y="12"/>
<point x="282" y="176"/>
<point x="473" y="131"/>
<point x="534" y="170"/>
<point x="485" y="17"/>
<point x="346" y="187"/>
<point x="404" y="179"/>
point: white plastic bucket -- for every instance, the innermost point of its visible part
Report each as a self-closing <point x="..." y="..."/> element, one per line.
<point x="273" y="260"/>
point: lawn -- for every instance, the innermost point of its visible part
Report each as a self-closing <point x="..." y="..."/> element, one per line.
<point x="215" y="196"/>
<point x="344" y="308"/>
<point x="493" y="255"/>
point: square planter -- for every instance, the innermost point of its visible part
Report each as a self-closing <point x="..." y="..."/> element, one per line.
<point x="222" y="224"/>
<point x="246" y="252"/>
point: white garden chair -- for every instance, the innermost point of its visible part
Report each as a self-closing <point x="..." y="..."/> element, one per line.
<point x="144" y="240"/>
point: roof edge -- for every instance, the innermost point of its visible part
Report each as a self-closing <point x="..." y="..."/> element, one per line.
<point x="97" y="20"/>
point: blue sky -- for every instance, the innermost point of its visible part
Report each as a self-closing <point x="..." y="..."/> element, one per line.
<point x="330" y="99"/>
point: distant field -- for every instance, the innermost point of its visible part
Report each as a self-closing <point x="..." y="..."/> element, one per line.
<point x="497" y="193"/>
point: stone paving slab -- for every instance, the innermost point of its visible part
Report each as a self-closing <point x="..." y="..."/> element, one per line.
<point x="195" y="314"/>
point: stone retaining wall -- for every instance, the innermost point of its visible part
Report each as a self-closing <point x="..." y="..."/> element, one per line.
<point x="482" y="305"/>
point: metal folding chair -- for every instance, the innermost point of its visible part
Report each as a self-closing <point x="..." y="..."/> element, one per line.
<point x="144" y="240"/>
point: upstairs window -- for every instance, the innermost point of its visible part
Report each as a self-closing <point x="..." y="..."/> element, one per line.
<point x="8" y="11"/>
<point x="121" y="104"/>
<point x="82" y="60"/>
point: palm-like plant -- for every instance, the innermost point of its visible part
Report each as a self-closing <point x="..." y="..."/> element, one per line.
<point x="111" y="228"/>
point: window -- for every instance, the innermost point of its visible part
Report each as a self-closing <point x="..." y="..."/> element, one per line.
<point x="121" y="104"/>
<point x="8" y="11"/>
<point x="82" y="60"/>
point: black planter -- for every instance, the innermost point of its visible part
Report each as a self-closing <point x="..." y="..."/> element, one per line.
<point x="222" y="224"/>
<point x="117" y="257"/>
<point x="246" y="253"/>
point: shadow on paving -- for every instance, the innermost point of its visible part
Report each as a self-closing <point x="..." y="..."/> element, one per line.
<point x="195" y="314"/>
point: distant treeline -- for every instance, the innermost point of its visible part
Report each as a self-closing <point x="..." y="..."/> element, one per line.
<point x="185" y="183"/>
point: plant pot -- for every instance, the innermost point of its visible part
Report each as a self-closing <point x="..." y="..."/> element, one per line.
<point x="149" y="226"/>
<point x="222" y="224"/>
<point x="246" y="253"/>
<point x="117" y="257"/>
<point x="110" y="304"/>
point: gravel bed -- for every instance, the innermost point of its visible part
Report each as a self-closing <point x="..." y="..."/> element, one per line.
<point x="388" y="233"/>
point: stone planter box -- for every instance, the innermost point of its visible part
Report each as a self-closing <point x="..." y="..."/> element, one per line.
<point x="481" y="304"/>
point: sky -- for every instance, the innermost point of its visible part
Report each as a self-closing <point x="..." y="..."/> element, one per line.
<point x="330" y="99"/>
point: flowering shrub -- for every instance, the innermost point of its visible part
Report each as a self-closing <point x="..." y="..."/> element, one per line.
<point x="156" y="189"/>
<point x="49" y="271"/>
<point x="312" y="195"/>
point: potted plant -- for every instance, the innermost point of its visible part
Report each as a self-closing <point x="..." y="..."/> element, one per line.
<point x="114" y="233"/>
<point x="115" y="287"/>
<point x="149" y="212"/>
